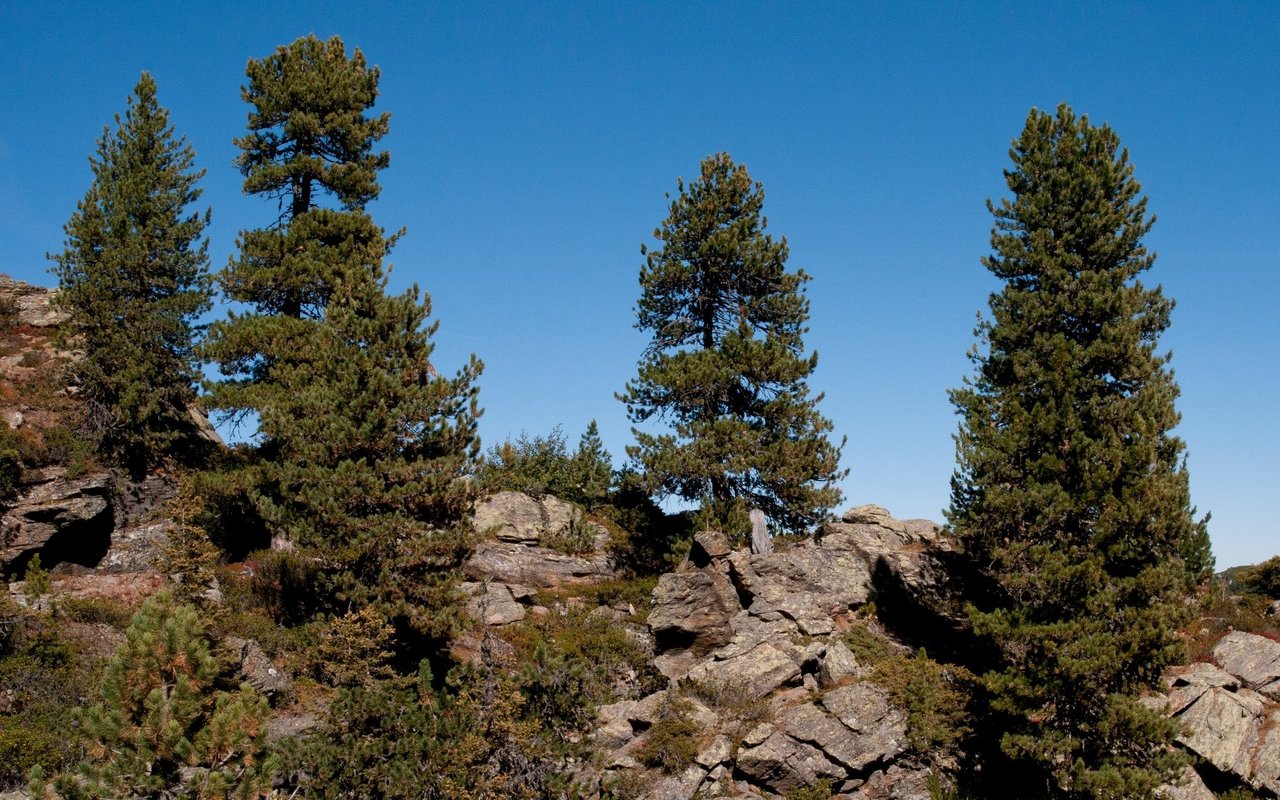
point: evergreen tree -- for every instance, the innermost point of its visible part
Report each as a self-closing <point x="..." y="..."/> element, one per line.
<point x="134" y="278"/>
<point x="161" y="730"/>
<point x="1071" y="494"/>
<point x="362" y="444"/>
<point x="592" y="467"/>
<point x="726" y="363"/>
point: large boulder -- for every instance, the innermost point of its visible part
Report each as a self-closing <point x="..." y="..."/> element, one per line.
<point x="1229" y="726"/>
<point x="1255" y="659"/>
<point x="54" y="512"/>
<point x="692" y="609"/>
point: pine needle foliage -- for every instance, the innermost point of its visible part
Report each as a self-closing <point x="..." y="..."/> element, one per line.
<point x="1071" y="495"/>
<point x="134" y="278"/>
<point x="362" y="444"/>
<point x="726" y="364"/>
<point x="161" y="729"/>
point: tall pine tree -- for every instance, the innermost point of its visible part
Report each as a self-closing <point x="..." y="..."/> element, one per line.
<point x="134" y="277"/>
<point x="362" y="444"/>
<point x="726" y="364"/>
<point x="1071" y="495"/>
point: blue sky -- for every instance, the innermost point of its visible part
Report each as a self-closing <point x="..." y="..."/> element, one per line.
<point x="532" y="144"/>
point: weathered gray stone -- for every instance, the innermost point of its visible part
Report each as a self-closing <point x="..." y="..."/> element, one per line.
<point x="837" y="665"/>
<point x="716" y="753"/>
<point x="511" y="517"/>
<point x="1237" y="732"/>
<point x="864" y="708"/>
<point x="707" y="547"/>
<point x="52" y="505"/>
<point x="494" y="604"/>
<point x="1188" y="786"/>
<point x="678" y="787"/>
<point x="761" y="542"/>
<point x="33" y="303"/>
<point x="753" y="674"/>
<point x="692" y="609"/>
<point x="781" y="764"/>
<point x="873" y="515"/>
<point x="1255" y="659"/>
<point x="509" y="562"/>
<point x="257" y="670"/>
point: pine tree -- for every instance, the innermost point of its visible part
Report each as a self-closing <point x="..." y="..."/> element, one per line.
<point x="134" y="278"/>
<point x="592" y="468"/>
<point x="161" y="730"/>
<point x="363" y="446"/>
<point x="726" y="363"/>
<point x="1071" y="494"/>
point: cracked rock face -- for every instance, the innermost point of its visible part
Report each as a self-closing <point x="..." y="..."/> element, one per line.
<point x="1229" y="725"/>
<point x="758" y="630"/>
<point x="55" y="504"/>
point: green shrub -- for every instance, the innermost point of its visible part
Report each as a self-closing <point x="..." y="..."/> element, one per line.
<point x="543" y="465"/>
<point x="573" y="663"/>
<point x="404" y="739"/>
<point x="867" y="646"/>
<point x="8" y="314"/>
<point x="671" y="742"/>
<point x="818" y="791"/>
<point x="937" y="698"/>
<point x="1263" y="579"/>
<point x="95" y="610"/>
<point x="574" y="538"/>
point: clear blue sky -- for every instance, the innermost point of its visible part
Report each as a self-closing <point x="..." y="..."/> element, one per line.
<point x="532" y="144"/>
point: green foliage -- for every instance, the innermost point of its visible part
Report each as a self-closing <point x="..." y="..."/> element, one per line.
<point x="10" y="464"/>
<point x="1263" y="579"/>
<point x="867" y="646"/>
<point x="36" y="581"/>
<point x="400" y="739"/>
<point x="543" y="465"/>
<point x="938" y="700"/>
<point x="355" y="649"/>
<point x="159" y="715"/>
<point x="818" y="791"/>
<point x="671" y="742"/>
<point x="1221" y="611"/>
<point x="41" y="680"/>
<point x="95" y="611"/>
<point x="363" y="445"/>
<point x="726" y="363"/>
<point x="134" y="278"/>
<point x="187" y="555"/>
<point x="572" y="663"/>
<point x="1071" y="495"/>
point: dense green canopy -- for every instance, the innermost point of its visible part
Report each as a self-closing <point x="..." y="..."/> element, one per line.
<point x="726" y="364"/>
<point x="1071" y="495"/>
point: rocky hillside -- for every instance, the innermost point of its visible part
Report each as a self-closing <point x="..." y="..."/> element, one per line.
<point x="793" y="673"/>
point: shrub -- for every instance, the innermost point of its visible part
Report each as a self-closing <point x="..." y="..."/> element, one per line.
<point x="95" y="611"/>
<point x="160" y="727"/>
<point x="937" y="698"/>
<point x="671" y="743"/>
<point x="1263" y="579"/>
<point x="542" y="465"/>
<point x="575" y="537"/>
<point x="573" y="663"/>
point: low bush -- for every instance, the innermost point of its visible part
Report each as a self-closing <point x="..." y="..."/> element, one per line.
<point x="671" y="742"/>
<point x="96" y="610"/>
<point x="936" y="697"/>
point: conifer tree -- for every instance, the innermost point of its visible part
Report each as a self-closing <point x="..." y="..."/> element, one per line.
<point x="1071" y="495"/>
<point x="726" y="364"/>
<point x="134" y="277"/>
<point x="362" y="444"/>
<point x="161" y="729"/>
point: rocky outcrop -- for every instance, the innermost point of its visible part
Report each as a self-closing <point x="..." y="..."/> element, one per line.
<point x="749" y="643"/>
<point x="1233" y="729"/>
<point x="32" y="303"/>
<point x="530" y="544"/>
<point x="255" y="668"/>
<point x="67" y="518"/>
